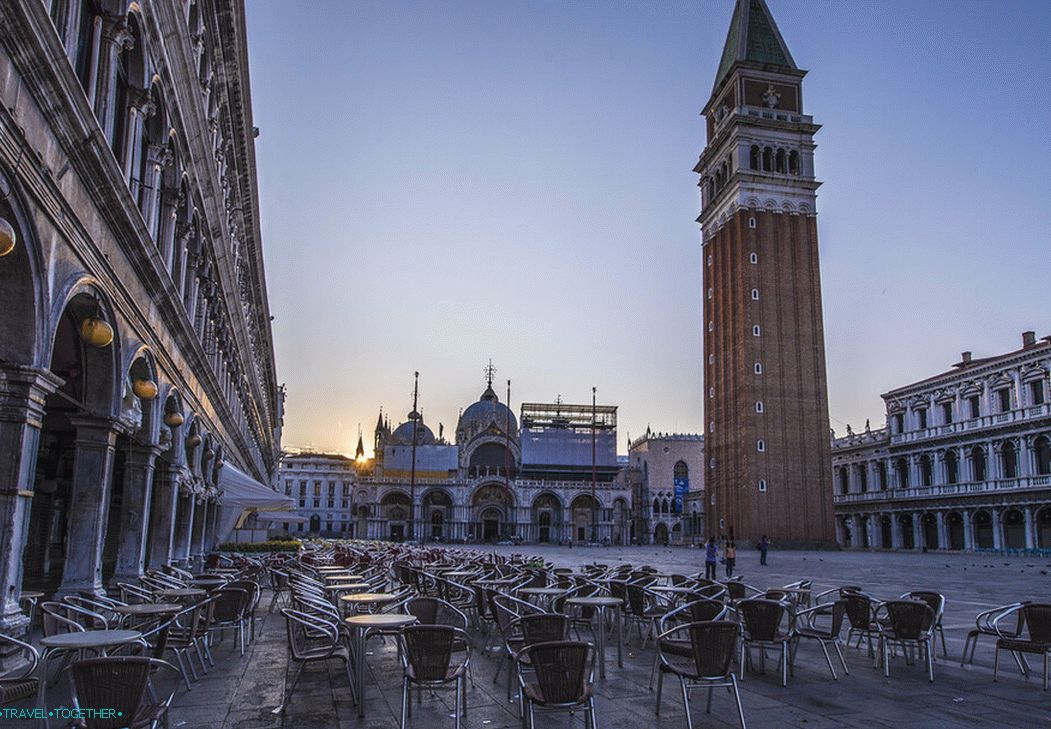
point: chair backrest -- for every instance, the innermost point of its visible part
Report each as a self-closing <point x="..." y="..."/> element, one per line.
<point x="859" y="610"/>
<point x="1038" y="621"/>
<point x="230" y="604"/>
<point x="544" y="628"/>
<point x="116" y="682"/>
<point x="304" y="631"/>
<point x="935" y="599"/>
<point x="736" y="590"/>
<point x="703" y="610"/>
<point x="425" y="609"/>
<point x="909" y="619"/>
<point x="762" y="617"/>
<point x="563" y="670"/>
<point x="55" y="619"/>
<point x="428" y="650"/>
<point x="714" y="644"/>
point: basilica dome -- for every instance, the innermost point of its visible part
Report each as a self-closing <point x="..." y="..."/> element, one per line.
<point x="484" y="415"/>
<point x="402" y="435"/>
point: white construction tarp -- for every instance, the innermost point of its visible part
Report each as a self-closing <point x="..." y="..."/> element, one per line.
<point x="244" y="496"/>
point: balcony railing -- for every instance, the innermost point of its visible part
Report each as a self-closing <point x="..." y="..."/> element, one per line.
<point x="950" y="489"/>
<point x="986" y="421"/>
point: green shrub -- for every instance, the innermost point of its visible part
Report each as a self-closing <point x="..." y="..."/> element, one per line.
<point x="274" y="545"/>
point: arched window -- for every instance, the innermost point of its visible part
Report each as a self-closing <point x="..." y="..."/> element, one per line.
<point x="681" y="470"/>
<point x="760" y="446"/>
<point x="844" y="480"/>
<point x="768" y="159"/>
<point x="128" y="93"/>
<point x="1042" y="455"/>
<point x="977" y="463"/>
<point x="779" y="161"/>
<point x="656" y="506"/>
<point x="952" y="467"/>
<point x="926" y="470"/>
<point x="86" y="41"/>
<point x="758" y="369"/>
<point x="1009" y="455"/>
<point x="793" y="162"/>
<point x="901" y="467"/>
<point x="753" y="157"/>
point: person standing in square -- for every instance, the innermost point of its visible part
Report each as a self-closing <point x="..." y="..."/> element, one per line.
<point x="730" y="555"/>
<point x="711" y="555"/>
<point x="764" y="544"/>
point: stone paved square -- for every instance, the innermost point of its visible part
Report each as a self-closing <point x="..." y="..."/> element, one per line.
<point x="244" y="692"/>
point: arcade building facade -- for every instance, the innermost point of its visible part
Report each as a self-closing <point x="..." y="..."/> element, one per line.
<point x="964" y="462"/>
<point x="137" y="376"/>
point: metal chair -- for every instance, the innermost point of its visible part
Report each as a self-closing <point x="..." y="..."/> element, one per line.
<point x="23" y="683"/>
<point x="937" y="602"/>
<point x="984" y="625"/>
<point x="908" y="624"/>
<point x="427" y="660"/>
<point x="311" y="639"/>
<point x="1036" y="622"/>
<point x="697" y="611"/>
<point x="766" y="624"/>
<point x="824" y="637"/>
<point x="708" y="664"/>
<point x="121" y="683"/>
<point x="564" y="673"/>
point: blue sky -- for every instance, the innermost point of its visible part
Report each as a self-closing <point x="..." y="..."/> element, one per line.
<point x="445" y="182"/>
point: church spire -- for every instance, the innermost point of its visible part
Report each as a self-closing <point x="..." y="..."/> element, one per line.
<point x="359" y="452"/>
<point x="753" y="39"/>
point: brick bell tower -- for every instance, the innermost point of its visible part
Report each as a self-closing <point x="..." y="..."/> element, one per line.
<point x="767" y="442"/>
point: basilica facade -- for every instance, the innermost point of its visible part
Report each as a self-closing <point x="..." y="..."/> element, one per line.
<point x="547" y="475"/>
<point x="964" y="462"/>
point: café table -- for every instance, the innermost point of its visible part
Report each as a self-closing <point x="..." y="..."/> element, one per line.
<point x="338" y="587"/>
<point x="601" y="604"/>
<point x="369" y="600"/>
<point x="362" y="624"/>
<point x="182" y="593"/>
<point x="543" y="595"/>
<point x="209" y="583"/>
<point x="87" y="640"/>
<point x="341" y="576"/>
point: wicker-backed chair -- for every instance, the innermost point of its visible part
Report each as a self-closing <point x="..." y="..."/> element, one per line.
<point x="255" y="592"/>
<point x="505" y="609"/>
<point x="312" y="639"/>
<point x="937" y="602"/>
<point x="279" y="585"/>
<point x="908" y="624"/>
<point x="1036" y="624"/>
<point x="564" y="673"/>
<point x="707" y="665"/>
<point x="428" y="660"/>
<point x="230" y="613"/>
<point x="986" y="623"/>
<point x="188" y="631"/>
<point x="121" y="683"/>
<point x="737" y="590"/>
<point x="766" y="624"/>
<point x="643" y="606"/>
<point x="701" y="610"/>
<point x="23" y="683"/>
<point x="861" y="614"/>
<point x="807" y="627"/>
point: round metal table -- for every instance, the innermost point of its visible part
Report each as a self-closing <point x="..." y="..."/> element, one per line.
<point x="183" y="593"/>
<point x="543" y="594"/>
<point x="362" y="624"/>
<point x="601" y="604"/>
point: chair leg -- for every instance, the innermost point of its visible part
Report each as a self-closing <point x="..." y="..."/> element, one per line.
<point x="686" y="702"/>
<point x="941" y="631"/>
<point x="784" y="664"/>
<point x="737" y="698"/>
<point x="653" y="670"/>
<point x="660" y="687"/>
<point x="828" y="659"/>
<point x="966" y="645"/>
<point x="842" y="660"/>
<point x="1045" y="670"/>
<point x="404" y="701"/>
<point x="459" y="701"/>
<point x="996" y="663"/>
<point x="708" y="705"/>
<point x="930" y="647"/>
<point x="886" y="658"/>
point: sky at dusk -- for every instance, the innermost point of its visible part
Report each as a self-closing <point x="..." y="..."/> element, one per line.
<point x="448" y="182"/>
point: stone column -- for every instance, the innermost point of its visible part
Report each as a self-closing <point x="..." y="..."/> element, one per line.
<point x="183" y="524"/>
<point x="115" y="38"/>
<point x="22" y="395"/>
<point x="850" y="522"/>
<point x="968" y="534"/>
<point x="998" y="540"/>
<point x="89" y="505"/>
<point x="200" y="507"/>
<point x="164" y="510"/>
<point x="135" y="512"/>
<point x="897" y="540"/>
<point x="870" y="537"/>
<point x="917" y="531"/>
<point x="943" y="537"/>
<point x="1030" y="536"/>
<point x="877" y="531"/>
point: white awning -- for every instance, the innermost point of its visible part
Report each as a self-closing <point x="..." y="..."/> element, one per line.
<point x="244" y="496"/>
<point x="283" y="516"/>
